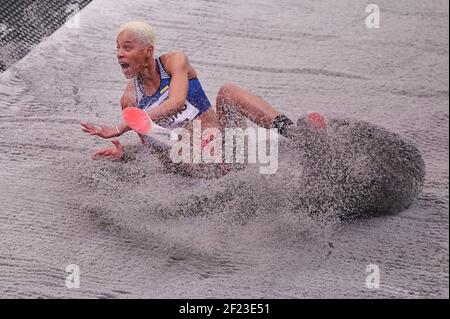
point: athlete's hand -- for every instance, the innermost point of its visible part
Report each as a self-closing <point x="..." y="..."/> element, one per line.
<point x="103" y="131"/>
<point x="111" y="152"/>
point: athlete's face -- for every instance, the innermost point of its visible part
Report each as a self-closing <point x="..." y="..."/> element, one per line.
<point x="132" y="54"/>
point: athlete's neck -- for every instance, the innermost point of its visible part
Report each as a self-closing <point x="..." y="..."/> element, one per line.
<point x="149" y="74"/>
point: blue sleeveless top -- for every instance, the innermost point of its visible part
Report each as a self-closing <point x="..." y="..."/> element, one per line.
<point x="196" y="100"/>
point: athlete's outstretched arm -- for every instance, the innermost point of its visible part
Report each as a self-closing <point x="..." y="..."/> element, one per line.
<point x="126" y="100"/>
<point x="177" y="66"/>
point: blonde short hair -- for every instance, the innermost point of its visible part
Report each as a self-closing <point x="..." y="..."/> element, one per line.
<point x="142" y="30"/>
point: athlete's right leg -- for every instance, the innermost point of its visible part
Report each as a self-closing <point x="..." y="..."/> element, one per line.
<point x="234" y="104"/>
<point x="232" y="100"/>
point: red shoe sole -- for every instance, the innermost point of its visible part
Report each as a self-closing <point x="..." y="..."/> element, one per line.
<point x="317" y="120"/>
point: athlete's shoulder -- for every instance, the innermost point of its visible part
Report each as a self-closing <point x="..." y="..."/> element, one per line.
<point x="173" y="56"/>
<point x="174" y="60"/>
<point x="129" y="95"/>
<point x="177" y="61"/>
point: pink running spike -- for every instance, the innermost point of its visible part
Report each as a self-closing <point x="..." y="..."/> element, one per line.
<point x="317" y="120"/>
<point x="137" y="119"/>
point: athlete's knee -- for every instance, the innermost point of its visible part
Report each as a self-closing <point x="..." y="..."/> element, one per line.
<point x="226" y="92"/>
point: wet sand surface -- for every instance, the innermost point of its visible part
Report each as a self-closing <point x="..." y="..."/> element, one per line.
<point x="138" y="232"/>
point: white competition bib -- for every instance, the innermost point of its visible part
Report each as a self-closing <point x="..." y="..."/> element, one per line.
<point x="185" y="115"/>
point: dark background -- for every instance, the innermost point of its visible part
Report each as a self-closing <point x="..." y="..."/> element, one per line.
<point x="27" y="22"/>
